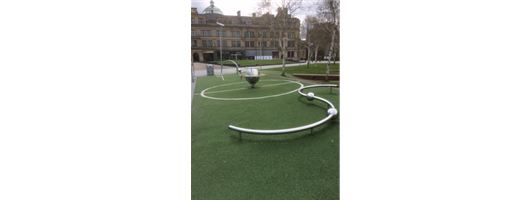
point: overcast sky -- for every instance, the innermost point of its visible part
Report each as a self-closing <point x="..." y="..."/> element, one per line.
<point x="230" y="7"/>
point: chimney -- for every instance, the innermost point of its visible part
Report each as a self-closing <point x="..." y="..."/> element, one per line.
<point x="239" y="13"/>
<point x="253" y="14"/>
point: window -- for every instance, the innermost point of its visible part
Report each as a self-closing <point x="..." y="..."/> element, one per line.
<point x="290" y="35"/>
<point x="262" y="44"/>
<point x="210" y="44"/>
<point x="274" y="44"/>
<point x="192" y="21"/>
<point x="194" y="43"/>
<point x="201" y="21"/>
<point x="290" y="44"/>
<point x="238" y="34"/>
<point x="218" y="43"/>
<point x="209" y="33"/>
<point x="234" y="22"/>
<point x="249" y="43"/>
<point x="217" y="33"/>
<point x="233" y="43"/>
<point x="249" y="23"/>
<point x="224" y="43"/>
<point x="203" y="33"/>
<point x="204" y="43"/>
<point x="262" y="35"/>
<point x="224" y="33"/>
<point x="232" y="34"/>
<point x="193" y="33"/>
<point x="249" y="34"/>
<point x="238" y="43"/>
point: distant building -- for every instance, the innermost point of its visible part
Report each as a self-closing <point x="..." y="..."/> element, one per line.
<point x="244" y="36"/>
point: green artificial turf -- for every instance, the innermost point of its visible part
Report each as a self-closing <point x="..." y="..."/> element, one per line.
<point x="288" y="166"/>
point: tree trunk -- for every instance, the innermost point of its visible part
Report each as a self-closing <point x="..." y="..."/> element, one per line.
<point x="308" y="56"/>
<point x="334" y="55"/>
<point x="330" y="53"/>
<point x="316" y="53"/>
<point x="283" y="56"/>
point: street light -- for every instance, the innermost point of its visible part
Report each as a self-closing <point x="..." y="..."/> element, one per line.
<point x="221" y="40"/>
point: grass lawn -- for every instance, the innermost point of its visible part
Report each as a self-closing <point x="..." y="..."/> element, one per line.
<point x="244" y="63"/>
<point x="303" y="69"/>
<point x="288" y="166"/>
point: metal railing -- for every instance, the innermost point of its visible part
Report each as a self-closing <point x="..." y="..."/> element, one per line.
<point x="192" y="73"/>
<point x="332" y="113"/>
<point x="237" y="68"/>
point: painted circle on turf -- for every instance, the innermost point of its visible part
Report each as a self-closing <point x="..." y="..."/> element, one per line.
<point x="250" y="98"/>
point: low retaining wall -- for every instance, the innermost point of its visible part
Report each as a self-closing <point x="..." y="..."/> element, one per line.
<point x="318" y="76"/>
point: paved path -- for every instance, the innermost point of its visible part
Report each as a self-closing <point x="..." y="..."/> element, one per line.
<point x="200" y="70"/>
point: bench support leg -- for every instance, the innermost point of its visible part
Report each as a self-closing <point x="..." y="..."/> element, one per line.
<point x="330" y="90"/>
<point x="311" y="131"/>
<point x="240" y="135"/>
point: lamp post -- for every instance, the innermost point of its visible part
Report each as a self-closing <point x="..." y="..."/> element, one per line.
<point x="260" y="44"/>
<point x="220" y="39"/>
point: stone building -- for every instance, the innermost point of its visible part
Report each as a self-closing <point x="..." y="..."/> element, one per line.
<point x="243" y="37"/>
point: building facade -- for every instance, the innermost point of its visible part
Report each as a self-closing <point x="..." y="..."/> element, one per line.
<point x="241" y="37"/>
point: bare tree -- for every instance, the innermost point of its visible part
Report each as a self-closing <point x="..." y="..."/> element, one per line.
<point x="282" y="24"/>
<point x="329" y="12"/>
<point x="307" y="32"/>
<point x="319" y="34"/>
<point x="336" y="48"/>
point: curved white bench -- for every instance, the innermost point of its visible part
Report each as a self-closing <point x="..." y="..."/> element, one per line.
<point x="332" y="112"/>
